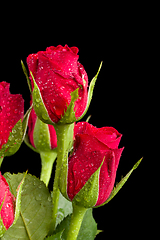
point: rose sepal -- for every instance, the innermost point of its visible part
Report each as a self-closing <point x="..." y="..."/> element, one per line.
<point x="38" y="104"/>
<point x="26" y="74"/>
<point x="42" y="145"/>
<point x="88" y="195"/>
<point x="17" y="207"/>
<point x="90" y="92"/>
<point x="69" y="116"/>
<point x="16" y="137"/>
<point x="41" y="137"/>
<point x="120" y="184"/>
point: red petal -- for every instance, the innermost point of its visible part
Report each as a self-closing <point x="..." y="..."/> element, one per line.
<point x="108" y="174"/>
<point x="86" y="159"/>
<point x="11" y="111"/>
<point x="53" y="136"/>
<point x="107" y="135"/>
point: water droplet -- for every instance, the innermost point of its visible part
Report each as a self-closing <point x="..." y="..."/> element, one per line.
<point x="78" y="199"/>
<point x="13" y="131"/>
<point x="39" y="197"/>
<point x="10" y="127"/>
<point x="38" y="100"/>
<point x="27" y="220"/>
<point x="34" y="183"/>
<point x="52" y="101"/>
<point x="44" y="116"/>
<point x="87" y="199"/>
<point x="60" y="215"/>
<point x="49" y="199"/>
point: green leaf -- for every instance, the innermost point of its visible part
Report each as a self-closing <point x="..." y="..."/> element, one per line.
<point x="57" y="236"/>
<point x="121" y="183"/>
<point x="35" y="217"/>
<point x="90" y="92"/>
<point x="64" y="209"/>
<point x="26" y="74"/>
<point x="88" y="228"/>
<point x="69" y="115"/>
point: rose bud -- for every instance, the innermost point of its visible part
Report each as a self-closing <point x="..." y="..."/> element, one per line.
<point x="7" y="205"/>
<point x="41" y="136"/>
<point x="56" y="74"/>
<point x="91" y="170"/>
<point x="11" y="116"/>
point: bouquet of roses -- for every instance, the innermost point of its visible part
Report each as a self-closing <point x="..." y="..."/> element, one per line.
<point x="86" y="157"/>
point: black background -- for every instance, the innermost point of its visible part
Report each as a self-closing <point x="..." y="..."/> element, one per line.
<point x="121" y="37"/>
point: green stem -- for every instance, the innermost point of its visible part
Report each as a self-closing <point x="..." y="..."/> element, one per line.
<point x="64" y="138"/>
<point x="76" y="221"/>
<point x="47" y="160"/>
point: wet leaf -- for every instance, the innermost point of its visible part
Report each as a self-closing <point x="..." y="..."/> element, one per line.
<point x="88" y="228"/>
<point x="36" y="209"/>
<point x="64" y="209"/>
<point x="57" y="236"/>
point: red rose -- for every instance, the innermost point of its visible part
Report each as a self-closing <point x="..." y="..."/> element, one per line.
<point x="11" y="111"/>
<point x="31" y="131"/>
<point x="57" y="73"/>
<point x="7" y="200"/>
<point x="93" y="146"/>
